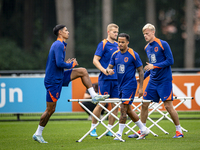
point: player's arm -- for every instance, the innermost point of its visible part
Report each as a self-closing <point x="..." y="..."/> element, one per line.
<point x="98" y="64"/>
<point x="141" y="79"/>
<point x="70" y="63"/>
<point x="110" y="69"/>
<point x="167" y="62"/>
<point x="168" y="55"/>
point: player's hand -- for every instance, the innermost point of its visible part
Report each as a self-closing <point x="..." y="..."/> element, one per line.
<point x="69" y="60"/>
<point x="75" y="61"/>
<point x="148" y="66"/>
<point x="140" y="92"/>
<point x="110" y="71"/>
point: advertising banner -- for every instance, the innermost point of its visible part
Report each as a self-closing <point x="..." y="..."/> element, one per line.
<point x="28" y="95"/>
<point x="183" y="86"/>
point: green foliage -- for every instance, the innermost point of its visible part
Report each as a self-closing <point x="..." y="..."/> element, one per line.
<point x="13" y="57"/>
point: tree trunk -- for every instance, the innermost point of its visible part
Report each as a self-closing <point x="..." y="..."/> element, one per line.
<point x="151" y="12"/>
<point x="106" y="16"/>
<point x="65" y="15"/>
<point x="28" y="25"/>
<point x="189" y="49"/>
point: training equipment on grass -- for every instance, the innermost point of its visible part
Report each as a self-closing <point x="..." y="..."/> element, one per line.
<point x="117" y="104"/>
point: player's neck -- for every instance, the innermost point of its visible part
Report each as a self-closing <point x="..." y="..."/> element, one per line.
<point x="110" y="40"/>
<point x="152" y="39"/>
<point x="61" y="38"/>
<point x="124" y="51"/>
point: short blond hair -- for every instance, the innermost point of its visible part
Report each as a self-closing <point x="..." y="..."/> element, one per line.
<point x="112" y="25"/>
<point x="149" y="26"/>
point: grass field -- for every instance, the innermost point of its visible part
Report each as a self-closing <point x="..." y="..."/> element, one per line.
<point x="64" y="134"/>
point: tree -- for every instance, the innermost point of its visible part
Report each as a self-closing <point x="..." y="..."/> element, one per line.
<point x="28" y="25"/>
<point x="65" y="15"/>
<point x="151" y="12"/>
<point x="189" y="49"/>
<point x="106" y="15"/>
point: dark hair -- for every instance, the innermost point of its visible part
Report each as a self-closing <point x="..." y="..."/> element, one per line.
<point x="57" y="28"/>
<point x="124" y="35"/>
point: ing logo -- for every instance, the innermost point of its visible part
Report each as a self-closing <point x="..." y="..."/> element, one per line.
<point x="156" y="49"/>
<point x="126" y="59"/>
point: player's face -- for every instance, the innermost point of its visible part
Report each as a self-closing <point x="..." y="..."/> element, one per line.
<point x="113" y="33"/>
<point x="64" y="33"/>
<point x="123" y="44"/>
<point x="149" y="35"/>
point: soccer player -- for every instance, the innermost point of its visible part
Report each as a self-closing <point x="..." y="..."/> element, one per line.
<point x="160" y="82"/>
<point x="127" y="61"/>
<point x="107" y="83"/>
<point x="56" y="77"/>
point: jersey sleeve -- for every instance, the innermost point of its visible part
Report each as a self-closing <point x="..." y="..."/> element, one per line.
<point x="146" y="74"/>
<point x="112" y="59"/>
<point x="59" y="56"/>
<point x="168" y="55"/>
<point x="138" y="61"/>
<point x="99" y="50"/>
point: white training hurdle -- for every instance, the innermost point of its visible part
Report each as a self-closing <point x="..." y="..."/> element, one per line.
<point x="117" y="104"/>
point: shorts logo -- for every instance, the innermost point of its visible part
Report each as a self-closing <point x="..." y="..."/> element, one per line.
<point x="126" y="59"/>
<point x="105" y="93"/>
<point x="145" y="93"/>
<point x="57" y="94"/>
<point x="120" y="68"/>
<point x="156" y="49"/>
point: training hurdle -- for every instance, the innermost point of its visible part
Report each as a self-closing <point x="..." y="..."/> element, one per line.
<point x="164" y="115"/>
<point x="117" y="102"/>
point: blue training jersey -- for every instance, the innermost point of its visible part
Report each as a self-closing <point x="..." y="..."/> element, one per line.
<point x="126" y="64"/>
<point x="105" y="49"/>
<point x="160" y="55"/>
<point x="55" y="64"/>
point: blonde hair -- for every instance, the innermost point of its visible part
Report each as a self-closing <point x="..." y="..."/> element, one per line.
<point x="112" y="25"/>
<point x="149" y="26"/>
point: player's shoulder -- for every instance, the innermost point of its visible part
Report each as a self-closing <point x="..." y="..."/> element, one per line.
<point x="133" y="53"/>
<point x="161" y="42"/>
<point x="116" y="52"/>
<point x="146" y="46"/>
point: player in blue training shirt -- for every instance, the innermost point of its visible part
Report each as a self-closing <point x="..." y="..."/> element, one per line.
<point x="127" y="61"/>
<point x="56" y="77"/>
<point x="107" y="84"/>
<point x="160" y="82"/>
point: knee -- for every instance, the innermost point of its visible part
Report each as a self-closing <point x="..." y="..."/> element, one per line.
<point x="169" y="108"/>
<point x="51" y="111"/>
<point x="145" y="106"/>
<point x="83" y="71"/>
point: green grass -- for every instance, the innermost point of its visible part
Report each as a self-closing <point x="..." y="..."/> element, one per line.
<point x="64" y="134"/>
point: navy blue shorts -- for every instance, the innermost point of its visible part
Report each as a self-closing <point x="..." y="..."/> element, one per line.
<point x="127" y="94"/>
<point x="156" y="91"/>
<point x="54" y="91"/>
<point x="108" y="87"/>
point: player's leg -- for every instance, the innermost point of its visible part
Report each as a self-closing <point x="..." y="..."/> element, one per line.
<point x="150" y="93"/>
<point x="122" y="120"/>
<point x="103" y="89"/>
<point x="113" y="91"/>
<point x="50" y="109"/>
<point x="166" y="94"/>
<point x="83" y="74"/>
<point x="97" y="112"/>
<point x="134" y="117"/>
